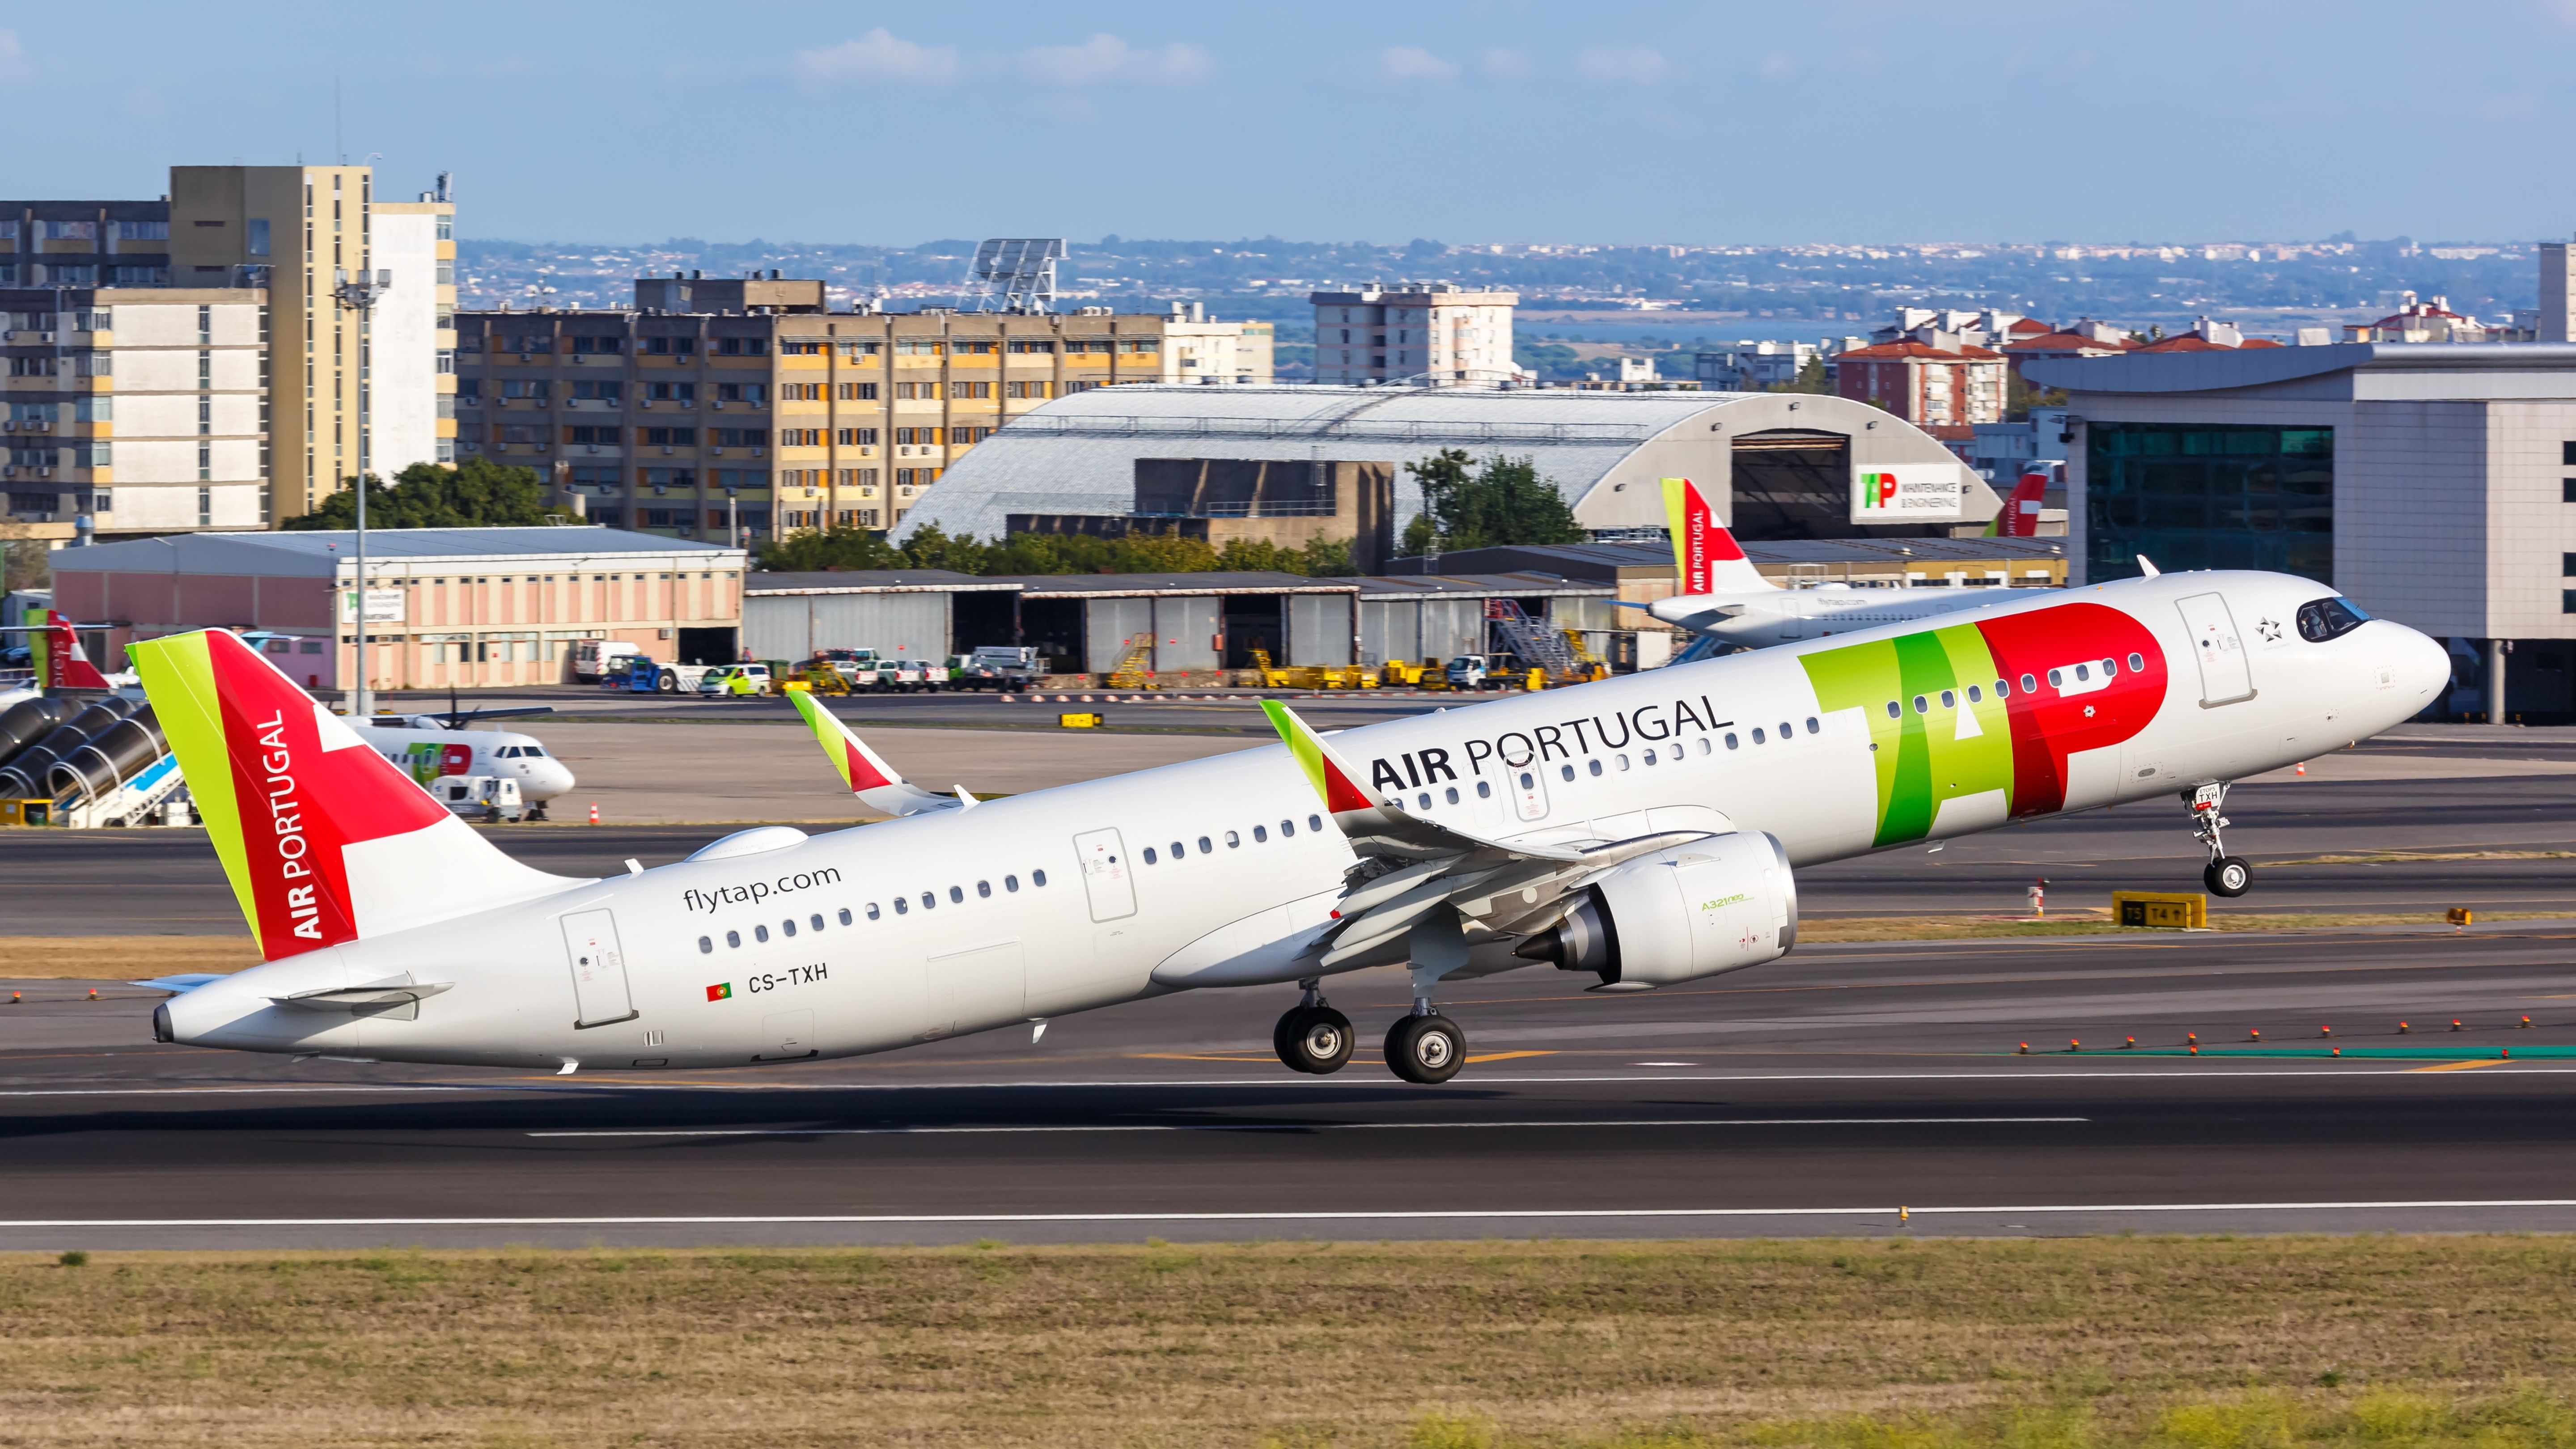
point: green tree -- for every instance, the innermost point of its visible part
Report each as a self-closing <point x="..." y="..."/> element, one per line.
<point x="1505" y="501"/>
<point x="1810" y="379"/>
<point x="478" y="493"/>
<point x="839" y="547"/>
<point x="2020" y="397"/>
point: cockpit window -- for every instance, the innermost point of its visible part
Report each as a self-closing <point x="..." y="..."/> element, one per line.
<point x="2329" y="618"/>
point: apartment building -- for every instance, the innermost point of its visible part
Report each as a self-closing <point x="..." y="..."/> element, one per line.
<point x="412" y="387"/>
<point x="85" y="243"/>
<point x="1439" y="334"/>
<point x="1207" y="352"/>
<point x="1946" y="391"/>
<point x="144" y="408"/>
<point x="741" y="409"/>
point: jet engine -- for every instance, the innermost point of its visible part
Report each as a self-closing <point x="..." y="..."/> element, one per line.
<point x="1694" y="910"/>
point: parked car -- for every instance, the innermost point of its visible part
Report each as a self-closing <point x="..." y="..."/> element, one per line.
<point x="999" y="667"/>
<point x="737" y="680"/>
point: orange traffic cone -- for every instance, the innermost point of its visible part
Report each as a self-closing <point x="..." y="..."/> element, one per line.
<point x="2303" y="769"/>
<point x="594" y="812"/>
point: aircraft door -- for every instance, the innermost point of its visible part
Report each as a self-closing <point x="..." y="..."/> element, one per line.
<point x="787" y="1036"/>
<point x="978" y="988"/>
<point x="1106" y="878"/>
<point x="598" y="969"/>
<point x="2226" y="675"/>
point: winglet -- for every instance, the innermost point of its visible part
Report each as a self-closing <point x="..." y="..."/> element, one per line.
<point x="1325" y="770"/>
<point x="862" y="771"/>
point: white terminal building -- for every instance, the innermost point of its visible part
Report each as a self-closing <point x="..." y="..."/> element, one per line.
<point x="2433" y="483"/>
<point x="1436" y="334"/>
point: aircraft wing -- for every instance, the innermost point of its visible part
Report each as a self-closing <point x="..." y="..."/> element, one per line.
<point x="867" y="775"/>
<point x="459" y="719"/>
<point x="1430" y="893"/>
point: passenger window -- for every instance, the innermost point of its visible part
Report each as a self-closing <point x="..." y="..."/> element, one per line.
<point x="1314" y="822"/>
<point x="1150" y="857"/>
<point x="1233" y="841"/>
<point x="1948" y="700"/>
<point x="872" y="909"/>
<point x="1287" y="828"/>
<point x="2057" y="679"/>
<point x="902" y="906"/>
<point x="1922" y="705"/>
<point x="1526" y="781"/>
<point x="845" y="916"/>
<point x="1975" y="695"/>
<point x="1786" y="730"/>
<point x="1204" y="847"/>
<point x="1594" y="766"/>
<point x="2030" y="685"/>
<point x="706" y="947"/>
<point x="1452" y="791"/>
<point x="734" y="939"/>
<point x="1260" y="834"/>
<point x="1484" y="791"/>
<point x="1758" y="737"/>
<point x="1566" y="770"/>
<point x="1423" y="801"/>
<point x="2003" y="689"/>
<point x="1704" y="747"/>
<point x="1011" y="883"/>
<point x="930" y="900"/>
<point x="2137" y="663"/>
<point x="956" y="895"/>
<point x="1731" y="741"/>
<point x="1895" y="711"/>
<point x="788" y="925"/>
<point x="1650" y="756"/>
<point x="2083" y="673"/>
<point x="1177" y="850"/>
<point x="983" y="888"/>
<point x="1817" y="727"/>
<point x="1037" y="877"/>
<point x="760" y="933"/>
<point x="2110" y="669"/>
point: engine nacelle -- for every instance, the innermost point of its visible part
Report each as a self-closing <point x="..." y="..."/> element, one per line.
<point x="1694" y="910"/>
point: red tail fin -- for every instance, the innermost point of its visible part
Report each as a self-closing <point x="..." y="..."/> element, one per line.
<point x="2020" y="518"/>
<point x="1706" y="554"/>
<point x="61" y="663"/>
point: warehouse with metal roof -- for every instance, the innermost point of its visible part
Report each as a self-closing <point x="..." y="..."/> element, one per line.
<point x="1779" y="465"/>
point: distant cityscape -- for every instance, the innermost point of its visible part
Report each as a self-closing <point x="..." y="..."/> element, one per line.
<point x="1634" y="297"/>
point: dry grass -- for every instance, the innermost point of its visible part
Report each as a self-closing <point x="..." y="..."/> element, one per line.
<point x="1890" y="1345"/>
<point x="123" y="958"/>
<point x="2083" y="922"/>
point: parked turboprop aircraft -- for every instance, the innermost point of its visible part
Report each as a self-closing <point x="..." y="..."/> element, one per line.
<point x="1635" y="829"/>
<point x="1725" y="598"/>
<point x="426" y="747"/>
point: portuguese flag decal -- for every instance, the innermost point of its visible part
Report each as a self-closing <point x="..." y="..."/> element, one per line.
<point x="720" y="991"/>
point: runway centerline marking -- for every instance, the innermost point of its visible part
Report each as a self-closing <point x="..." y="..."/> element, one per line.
<point x="2460" y="1066"/>
<point x="1290" y="1126"/>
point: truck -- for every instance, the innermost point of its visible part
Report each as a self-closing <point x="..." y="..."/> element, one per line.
<point x="592" y="658"/>
<point x="488" y="798"/>
<point x="997" y="666"/>
<point x="640" y="675"/>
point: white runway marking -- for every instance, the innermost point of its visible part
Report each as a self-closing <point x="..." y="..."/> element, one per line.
<point x="1345" y="1215"/>
<point x="1294" y="1126"/>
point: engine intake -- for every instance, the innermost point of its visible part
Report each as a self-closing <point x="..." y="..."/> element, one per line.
<point x="1695" y="910"/>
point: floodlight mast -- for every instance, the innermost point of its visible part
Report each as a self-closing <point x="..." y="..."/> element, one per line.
<point x="1019" y="272"/>
<point x="360" y="295"/>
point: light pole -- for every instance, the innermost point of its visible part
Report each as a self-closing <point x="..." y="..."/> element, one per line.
<point x="359" y="295"/>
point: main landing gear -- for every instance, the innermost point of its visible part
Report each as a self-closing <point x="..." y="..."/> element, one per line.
<point x="2225" y="875"/>
<point x="1422" y="1046"/>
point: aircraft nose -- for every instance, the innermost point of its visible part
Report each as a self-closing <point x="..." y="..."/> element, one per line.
<point x="2423" y="665"/>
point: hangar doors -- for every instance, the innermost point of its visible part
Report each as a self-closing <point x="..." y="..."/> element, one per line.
<point x="1791" y="483"/>
<point x="1185" y="632"/>
<point x="1319" y="629"/>
<point x="1418" y="629"/>
<point x="1108" y="625"/>
<point x="793" y="626"/>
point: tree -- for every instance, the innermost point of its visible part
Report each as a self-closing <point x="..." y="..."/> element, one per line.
<point x="476" y="494"/>
<point x="1810" y="379"/>
<point x="2020" y="397"/>
<point x="839" y="547"/>
<point x="1506" y="501"/>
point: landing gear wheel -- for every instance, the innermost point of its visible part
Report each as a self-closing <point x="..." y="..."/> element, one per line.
<point x="1313" y="1039"/>
<point x="1425" y="1049"/>
<point x="2229" y="875"/>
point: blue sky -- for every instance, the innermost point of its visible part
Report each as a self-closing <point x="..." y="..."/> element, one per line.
<point x="1827" y="120"/>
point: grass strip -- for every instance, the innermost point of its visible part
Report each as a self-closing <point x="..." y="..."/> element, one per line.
<point x="2099" y="923"/>
<point x="1888" y="1344"/>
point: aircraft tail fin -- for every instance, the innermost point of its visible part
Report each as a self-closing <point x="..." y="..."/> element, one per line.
<point x="60" y="661"/>
<point x="862" y="770"/>
<point x="323" y="839"/>
<point x="2019" y="517"/>
<point x="1705" y="552"/>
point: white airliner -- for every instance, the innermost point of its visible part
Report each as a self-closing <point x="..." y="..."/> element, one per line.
<point x="1724" y="597"/>
<point x="1644" y="830"/>
<point x="429" y="746"/>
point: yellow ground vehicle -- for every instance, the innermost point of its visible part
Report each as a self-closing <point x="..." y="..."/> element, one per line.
<point x="818" y="677"/>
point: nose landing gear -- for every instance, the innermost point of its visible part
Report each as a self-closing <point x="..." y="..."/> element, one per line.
<point x="2226" y="875"/>
<point x="1311" y="1036"/>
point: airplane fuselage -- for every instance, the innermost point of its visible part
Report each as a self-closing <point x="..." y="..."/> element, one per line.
<point x="1219" y="871"/>
<point x="428" y="754"/>
<point x="1760" y="618"/>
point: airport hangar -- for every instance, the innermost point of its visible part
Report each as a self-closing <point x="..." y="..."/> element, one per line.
<point x="2434" y="483"/>
<point x="1776" y="465"/>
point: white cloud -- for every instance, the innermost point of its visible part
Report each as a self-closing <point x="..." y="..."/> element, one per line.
<point x="1636" y="65"/>
<point x="1108" y="60"/>
<point x="879" y="56"/>
<point x="1412" y="62"/>
<point x="1505" y="64"/>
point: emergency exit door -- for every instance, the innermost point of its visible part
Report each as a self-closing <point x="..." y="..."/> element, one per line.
<point x="598" y="969"/>
<point x="1106" y="878"/>
<point x="2226" y="675"/>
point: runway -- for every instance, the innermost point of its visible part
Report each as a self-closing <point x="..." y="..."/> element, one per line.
<point x="1817" y="1095"/>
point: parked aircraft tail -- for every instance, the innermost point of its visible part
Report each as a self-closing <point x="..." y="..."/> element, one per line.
<point x="2019" y="517"/>
<point x="323" y="839"/>
<point x="1710" y="559"/>
<point x="60" y="661"/>
<point x="867" y="774"/>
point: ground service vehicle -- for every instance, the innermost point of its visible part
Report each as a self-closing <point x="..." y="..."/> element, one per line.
<point x="742" y="681"/>
<point x="1645" y="830"/>
<point x="591" y="658"/>
<point x="651" y="676"/>
<point x="1001" y="666"/>
<point x="488" y="798"/>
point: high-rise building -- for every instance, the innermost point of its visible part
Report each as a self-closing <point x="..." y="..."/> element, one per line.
<point x="741" y="408"/>
<point x="413" y="349"/>
<point x="140" y="408"/>
<point x="1439" y="334"/>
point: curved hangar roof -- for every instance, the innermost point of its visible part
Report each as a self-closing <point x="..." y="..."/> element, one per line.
<point x="1603" y="450"/>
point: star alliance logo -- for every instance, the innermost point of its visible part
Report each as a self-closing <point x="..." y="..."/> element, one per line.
<point x="2270" y="629"/>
